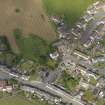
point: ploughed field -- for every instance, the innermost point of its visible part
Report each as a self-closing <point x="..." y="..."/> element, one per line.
<point x="27" y="15"/>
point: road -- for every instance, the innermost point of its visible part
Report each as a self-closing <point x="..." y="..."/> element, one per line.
<point x="45" y="87"/>
<point x="56" y="91"/>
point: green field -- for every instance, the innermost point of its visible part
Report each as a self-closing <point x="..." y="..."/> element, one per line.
<point x="32" y="47"/>
<point x="20" y="100"/>
<point x="70" y="10"/>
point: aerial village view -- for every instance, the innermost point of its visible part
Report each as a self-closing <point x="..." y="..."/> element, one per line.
<point x="52" y="52"/>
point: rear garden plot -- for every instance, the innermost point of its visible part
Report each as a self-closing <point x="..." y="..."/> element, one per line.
<point x="68" y="81"/>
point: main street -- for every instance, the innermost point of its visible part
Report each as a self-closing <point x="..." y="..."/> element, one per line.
<point x="45" y="87"/>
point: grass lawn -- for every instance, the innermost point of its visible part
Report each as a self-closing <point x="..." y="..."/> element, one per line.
<point x="35" y="76"/>
<point x="93" y="81"/>
<point x="20" y="100"/>
<point x="70" y="10"/>
<point x="100" y="102"/>
<point x="102" y="42"/>
<point x="33" y="47"/>
<point x="70" y="83"/>
<point x="88" y="96"/>
<point x="100" y="64"/>
<point x="26" y="66"/>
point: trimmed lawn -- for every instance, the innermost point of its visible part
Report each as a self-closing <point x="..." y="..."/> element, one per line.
<point x="70" y="10"/>
<point x="20" y="100"/>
